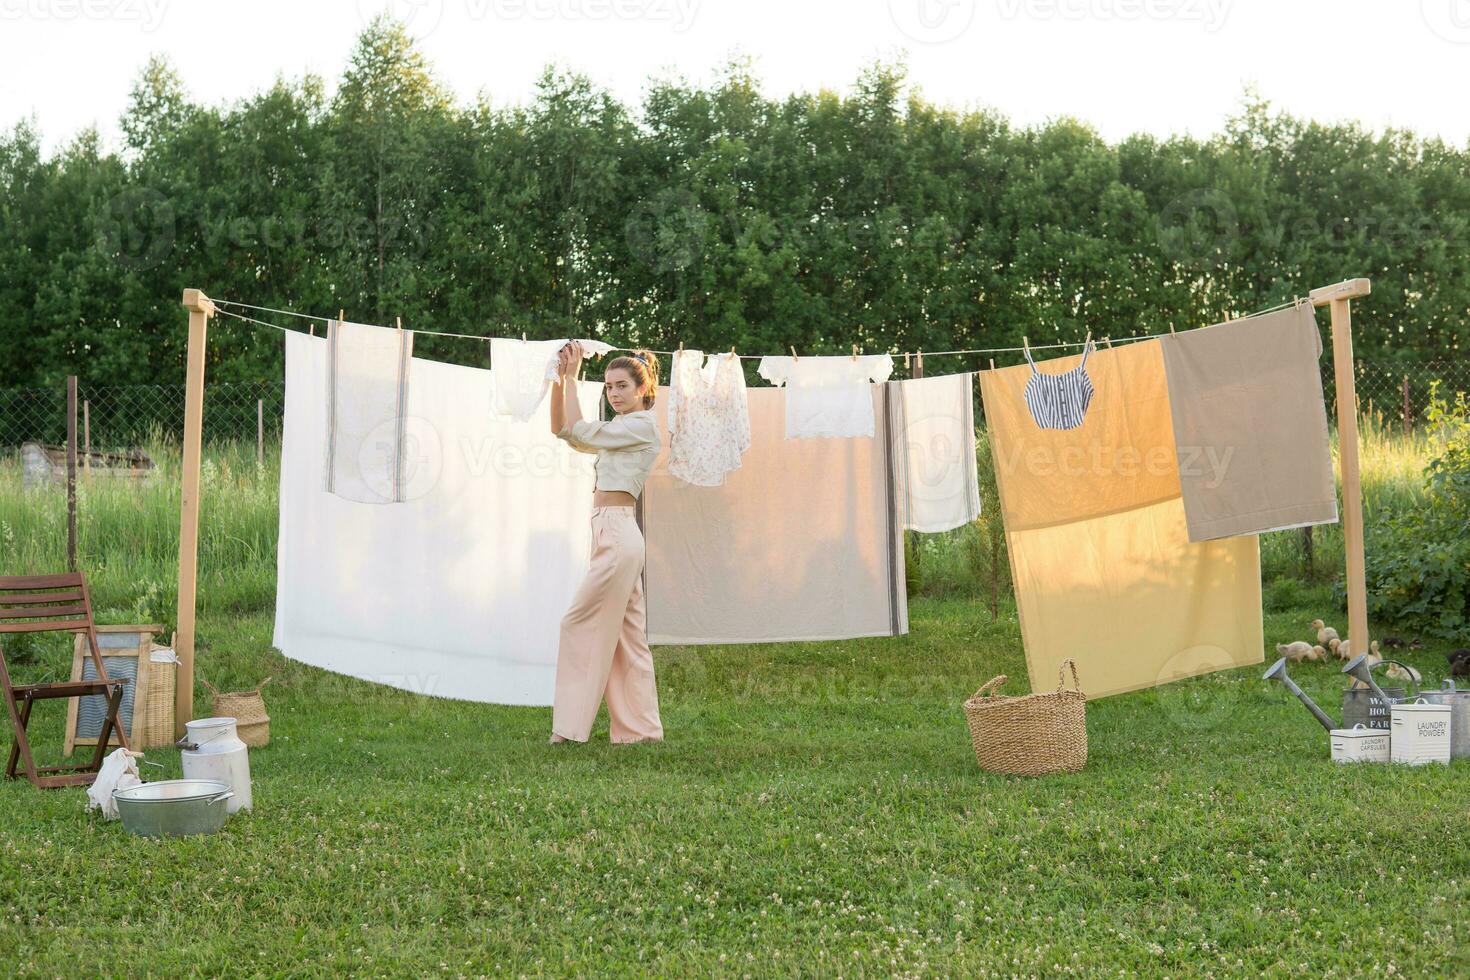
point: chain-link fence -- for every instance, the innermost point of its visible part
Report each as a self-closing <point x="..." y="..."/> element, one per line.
<point x="127" y="417"/>
<point x="118" y="418"/>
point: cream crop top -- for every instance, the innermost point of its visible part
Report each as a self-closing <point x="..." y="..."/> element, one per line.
<point x="626" y="447"/>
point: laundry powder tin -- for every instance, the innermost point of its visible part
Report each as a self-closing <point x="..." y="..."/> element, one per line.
<point x="1421" y="733"/>
<point x="1360" y="744"/>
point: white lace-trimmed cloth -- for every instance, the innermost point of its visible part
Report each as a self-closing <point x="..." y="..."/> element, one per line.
<point x="523" y="371"/>
<point x="828" y="396"/>
<point x="709" y="420"/>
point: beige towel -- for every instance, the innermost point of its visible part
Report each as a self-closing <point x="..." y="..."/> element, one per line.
<point x="1108" y="576"/>
<point x="802" y="542"/>
<point x="1250" y="425"/>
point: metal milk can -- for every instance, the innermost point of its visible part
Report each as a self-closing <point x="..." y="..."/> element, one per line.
<point x="212" y="750"/>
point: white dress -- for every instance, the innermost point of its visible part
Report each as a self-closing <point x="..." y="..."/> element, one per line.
<point x="828" y="396"/>
<point x="709" y="422"/>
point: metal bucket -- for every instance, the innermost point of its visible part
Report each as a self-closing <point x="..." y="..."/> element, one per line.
<point x="1459" y="704"/>
<point x="1361" y="707"/>
<point x="173" y="807"/>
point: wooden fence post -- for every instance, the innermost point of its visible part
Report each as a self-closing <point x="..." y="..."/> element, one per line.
<point x="200" y="309"/>
<point x="71" y="472"/>
<point x="1340" y="297"/>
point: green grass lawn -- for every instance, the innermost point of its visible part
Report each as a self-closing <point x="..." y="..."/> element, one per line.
<point x="815" y="809"/>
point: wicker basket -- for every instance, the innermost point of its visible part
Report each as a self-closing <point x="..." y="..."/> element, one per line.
<point x="158" y="703"/>
<point x="1030" y="735"/>
<point x="248" y="709"/>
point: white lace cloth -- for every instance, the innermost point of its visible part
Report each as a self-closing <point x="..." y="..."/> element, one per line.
<point x="828" y="396"/>
<point x="522" y="371"/>
<point x="709" y="420"/>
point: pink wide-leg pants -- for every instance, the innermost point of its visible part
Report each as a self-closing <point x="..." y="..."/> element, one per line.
<point x="603" y="652"/>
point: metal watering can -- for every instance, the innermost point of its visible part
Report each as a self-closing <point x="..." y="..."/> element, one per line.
<point x="1358" y="704"/>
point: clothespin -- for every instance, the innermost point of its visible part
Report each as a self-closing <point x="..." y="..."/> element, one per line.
<point x="312" y="328"/>
<point x="341" y="315"/>
<point x="399" y="321"/>
<point x="1088" y="340"/>
<point x="1171" y="328"/>
<point x="920" y="363"/>
<point x="793" y="352"/>
<point x="906" y="369"/>
<point x="1025" y="345"/>
<point x="523" y="336"/>
<point x="1109" y="342"/>
<point x="992" y="364"/>
<point x="854" y="352"/>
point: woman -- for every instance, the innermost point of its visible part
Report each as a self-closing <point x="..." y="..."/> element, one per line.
<point x="603" y="652"/>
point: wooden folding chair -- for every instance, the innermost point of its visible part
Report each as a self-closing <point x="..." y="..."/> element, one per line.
<point x="52" y="604"/>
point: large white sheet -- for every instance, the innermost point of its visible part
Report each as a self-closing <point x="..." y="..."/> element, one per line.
<point x="459" y="590"/>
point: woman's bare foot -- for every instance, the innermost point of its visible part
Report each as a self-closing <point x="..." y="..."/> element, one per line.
<point x="557" y="739"/>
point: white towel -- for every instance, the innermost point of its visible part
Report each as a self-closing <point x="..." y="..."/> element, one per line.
<point x="523" y="371"/>
<point x="459" y="591"/>
<point x="828" y="397"/>
<point x="119" y="771"/>
<point x="367" y="387"/>
<point x="934" y="440"/>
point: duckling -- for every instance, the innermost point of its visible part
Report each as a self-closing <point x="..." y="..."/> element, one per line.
<point x="1296" y="652"/>
<point x="1372" y="660"/>
<point x="1404" y="673"/>
<point x="1459" y="662"/>
<point x="1325" y="634"/>
<point x="1340" y="648"/>
<point x="1318" y="654"/>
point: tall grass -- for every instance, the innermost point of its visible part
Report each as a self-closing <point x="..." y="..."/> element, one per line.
<point x="128" y="535"/>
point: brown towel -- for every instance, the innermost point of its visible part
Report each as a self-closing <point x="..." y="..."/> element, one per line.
<point x="802" y="542"/>
<point x="1250" y="425"/>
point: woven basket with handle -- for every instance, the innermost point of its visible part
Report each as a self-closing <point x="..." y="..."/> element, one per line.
<point x="252" y="724"/>
<point x="1030" y="735"/>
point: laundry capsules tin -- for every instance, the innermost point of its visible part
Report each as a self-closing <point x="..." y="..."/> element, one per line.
<point x="1359" y="744"/>
<point x="1421" y="733"/>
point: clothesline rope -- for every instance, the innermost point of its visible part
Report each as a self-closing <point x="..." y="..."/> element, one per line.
<point x="905" y="354"/>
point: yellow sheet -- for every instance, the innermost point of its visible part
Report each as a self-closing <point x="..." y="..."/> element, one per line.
<point x="1104" y="569"/>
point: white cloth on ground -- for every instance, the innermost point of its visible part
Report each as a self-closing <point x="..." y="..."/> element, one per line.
<point x="939" y="484"/>
<point x="802" y="542"/>
<point x="828" y="397"/>
<point x="709" y="420"/>
<point x="459" y="591"/>
<point x="523" y="371"/>
<point x="119" y="771"/>
<point x="367" y="385"/>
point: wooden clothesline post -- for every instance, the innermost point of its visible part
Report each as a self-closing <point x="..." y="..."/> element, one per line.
<point x="1339" y="297"/>
<point x="200" y="310"/>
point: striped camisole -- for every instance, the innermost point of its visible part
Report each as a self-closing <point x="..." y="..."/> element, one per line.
<point x="1059" y="401"/>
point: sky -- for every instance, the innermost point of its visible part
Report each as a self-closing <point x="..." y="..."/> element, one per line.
<point x="1124" y="66"/>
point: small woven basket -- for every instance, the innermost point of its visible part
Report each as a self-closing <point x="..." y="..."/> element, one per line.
<point x="1030" y="735"/>
<point x="252" y="724"/>
<point x="158" y="704"/>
